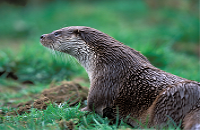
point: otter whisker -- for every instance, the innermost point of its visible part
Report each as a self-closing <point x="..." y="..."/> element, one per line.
<point x="53" y="51"/>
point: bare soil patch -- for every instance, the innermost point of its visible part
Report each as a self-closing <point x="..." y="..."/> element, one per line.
<point x="69" y="92"/>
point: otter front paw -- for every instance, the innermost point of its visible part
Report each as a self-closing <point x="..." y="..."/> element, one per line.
<point x="108" y="112"/>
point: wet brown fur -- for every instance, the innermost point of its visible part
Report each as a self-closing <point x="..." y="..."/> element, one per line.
<point x="123" y="79"/>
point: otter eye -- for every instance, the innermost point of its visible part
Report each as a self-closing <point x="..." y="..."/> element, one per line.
<point x="58" y="33"/>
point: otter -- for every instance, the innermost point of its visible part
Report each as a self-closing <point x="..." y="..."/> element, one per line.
<point x="124" y="82"/>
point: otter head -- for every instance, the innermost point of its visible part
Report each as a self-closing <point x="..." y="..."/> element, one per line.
<point x="67" y="40"/>
<point x="71" y="40"/>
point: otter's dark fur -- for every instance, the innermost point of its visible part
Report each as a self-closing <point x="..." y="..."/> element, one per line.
<point x="124" y="80"/>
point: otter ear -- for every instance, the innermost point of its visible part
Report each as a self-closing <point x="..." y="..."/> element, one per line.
<point x="84" y="35"/>
<point x="76" y="31"/>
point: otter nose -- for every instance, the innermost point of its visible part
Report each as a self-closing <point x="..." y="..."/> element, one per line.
<point x="41" y="37"/>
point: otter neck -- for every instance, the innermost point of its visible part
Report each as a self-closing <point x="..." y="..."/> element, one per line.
<point x="87" y="60"/>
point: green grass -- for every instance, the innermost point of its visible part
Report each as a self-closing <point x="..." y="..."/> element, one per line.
<point x="167" y="35"/>
<point x="49" y="119"/>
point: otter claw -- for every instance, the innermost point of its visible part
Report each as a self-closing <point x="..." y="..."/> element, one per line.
<point x="84" y="109"/>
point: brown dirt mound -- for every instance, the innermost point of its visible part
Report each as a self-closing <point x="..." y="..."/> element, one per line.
<point x="69" y="92"/>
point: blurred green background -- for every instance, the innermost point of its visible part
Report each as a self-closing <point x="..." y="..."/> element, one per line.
<point x="166" y="32"/>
